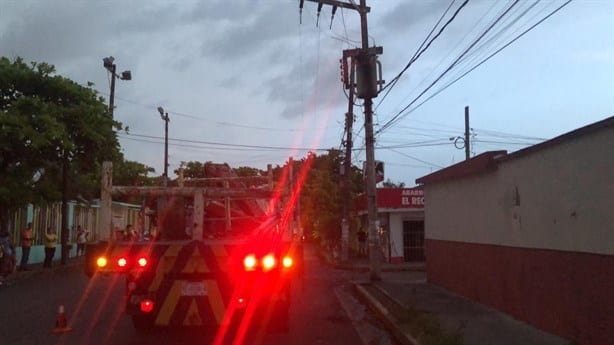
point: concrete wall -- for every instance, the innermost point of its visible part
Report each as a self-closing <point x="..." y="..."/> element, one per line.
<point x="565" y="200"/>
<point x="535" y="238"/>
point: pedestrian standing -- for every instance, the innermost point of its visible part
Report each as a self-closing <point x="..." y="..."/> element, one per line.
<point x="129" y="233"/>
<point x="362" y="243"/>
<point x="51" y="240"/>
<point x="81" y="240"/>
<point x="7" y="256"/>
<point x="27" y="236"/>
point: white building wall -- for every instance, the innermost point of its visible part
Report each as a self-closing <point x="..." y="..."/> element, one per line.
<point x="565" y="200"/>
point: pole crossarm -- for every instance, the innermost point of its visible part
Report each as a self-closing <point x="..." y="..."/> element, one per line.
<point x="209" y="192"/>
<point x="342" y="4"/>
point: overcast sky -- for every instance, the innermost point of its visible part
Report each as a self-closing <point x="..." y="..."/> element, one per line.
<point x="247" y="73"/>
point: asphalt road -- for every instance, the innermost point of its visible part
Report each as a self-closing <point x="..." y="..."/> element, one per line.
<point x="323" y="311"/>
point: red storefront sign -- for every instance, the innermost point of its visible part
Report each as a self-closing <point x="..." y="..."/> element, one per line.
<point x="396" y="198"/>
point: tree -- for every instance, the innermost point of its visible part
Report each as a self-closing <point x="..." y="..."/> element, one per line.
<point x="321" y="196"/>
<point x="131" y="173"/>
<point x="54" y="135"/>
<point x="389" y="184"/>
<point x="192" y="169"/>
<point x="248" y="172"/>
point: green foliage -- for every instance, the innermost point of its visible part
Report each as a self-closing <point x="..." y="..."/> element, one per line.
<point x="131" y="173"/>
<point x="46" y="121"/>
<point x="248" y="171"/>
<point x="321" y="197"/>
<point x="389" y="184"/>
<point x="192" y="169"/>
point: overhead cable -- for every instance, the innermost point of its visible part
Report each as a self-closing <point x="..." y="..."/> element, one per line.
<point x="389" y="123"/>
<point x="454" y="63"/>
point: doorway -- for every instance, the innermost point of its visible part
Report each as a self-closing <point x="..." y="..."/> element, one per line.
<point x="413" y="241"/>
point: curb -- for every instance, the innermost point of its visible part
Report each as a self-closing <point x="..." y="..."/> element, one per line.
<point x="384" y="315"/>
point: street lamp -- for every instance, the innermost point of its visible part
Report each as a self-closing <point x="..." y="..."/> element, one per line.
<point x="109" y="64"/>
<point x="165" y="118"/>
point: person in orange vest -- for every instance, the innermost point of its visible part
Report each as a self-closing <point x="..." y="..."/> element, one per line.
<point x="27" y="235"/>
<point x="51" y="239"/>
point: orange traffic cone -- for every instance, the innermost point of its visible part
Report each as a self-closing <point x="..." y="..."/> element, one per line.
<point x="61" y="325"/>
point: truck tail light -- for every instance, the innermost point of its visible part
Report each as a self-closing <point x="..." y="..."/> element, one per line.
<point x="268" y="262"/>
<point x="122" y="262"/>
<point x="249" y="262"/>
<point x="101" y="261"/>
<point x="146" y="305"/>
<point x="241" y="302"/>
<point x="142" y="261"/>
<point x="287" y="262"/>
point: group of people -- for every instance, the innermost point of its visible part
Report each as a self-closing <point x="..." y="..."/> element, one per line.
<point x="50" y="241"/>
<point x="131" y="234"/>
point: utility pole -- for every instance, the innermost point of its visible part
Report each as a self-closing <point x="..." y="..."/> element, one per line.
<point x="367" y="88"/>
<point x="166" y="119"/>
<point x="347" y="178"/>
<point x="109" y="64"/>
<point x="467" y="145"/>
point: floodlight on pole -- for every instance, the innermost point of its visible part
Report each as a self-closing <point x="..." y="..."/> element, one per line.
<point x="109" y="64"/>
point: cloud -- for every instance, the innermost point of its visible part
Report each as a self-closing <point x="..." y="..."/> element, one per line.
<point x="241" y="37"/>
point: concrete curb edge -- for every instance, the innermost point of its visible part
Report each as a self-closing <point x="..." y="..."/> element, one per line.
<point x="384" y="315"/>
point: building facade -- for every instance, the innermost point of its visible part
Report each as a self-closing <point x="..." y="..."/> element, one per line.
<point x="531" y="233"/>
<point x="401" y="223"/>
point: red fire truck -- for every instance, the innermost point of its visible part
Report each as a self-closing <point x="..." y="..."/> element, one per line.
<point x="231" y="269"/>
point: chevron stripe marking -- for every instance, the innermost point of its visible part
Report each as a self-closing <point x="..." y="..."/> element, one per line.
<point x="166" y="263"/>
<point x="215" y="300"/>
<point x="196" y="263"/>
<point x="169" y="305"/>
<point x="192" y="317"/>
<point x="221" y="256"/>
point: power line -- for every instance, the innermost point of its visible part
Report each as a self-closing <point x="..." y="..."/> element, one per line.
<point x="449" y="53"/>
<point x="503" y="142"/>
<point x="222" y="123"/>
<point x="473" y="68"/>
<point x="419" y="51"/>
<point x="398" y="115"/>
<point x="258" y="147"/>
<point x="415" y="158"/>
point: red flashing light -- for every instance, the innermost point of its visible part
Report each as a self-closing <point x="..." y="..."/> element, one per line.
<point x="287" y="262"/>
<point x="268" y="262"/>
<point x="142" y="262"/>
<point x="146" y="305"/>
<point x="122" y="262"/>
<point x="249" y="262"/>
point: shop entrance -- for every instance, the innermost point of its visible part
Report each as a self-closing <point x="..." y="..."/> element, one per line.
<point x="413" y="241"/>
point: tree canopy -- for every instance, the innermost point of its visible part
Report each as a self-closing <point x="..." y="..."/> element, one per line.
<point x="50" y="125"/>
<point x="321" y="197"/>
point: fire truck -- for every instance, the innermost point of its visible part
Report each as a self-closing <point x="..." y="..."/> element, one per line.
<point x="224" y="256"/>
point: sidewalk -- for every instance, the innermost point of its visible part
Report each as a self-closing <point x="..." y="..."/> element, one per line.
<point x="420" y="313"/>
<point x="36" y="269"/>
